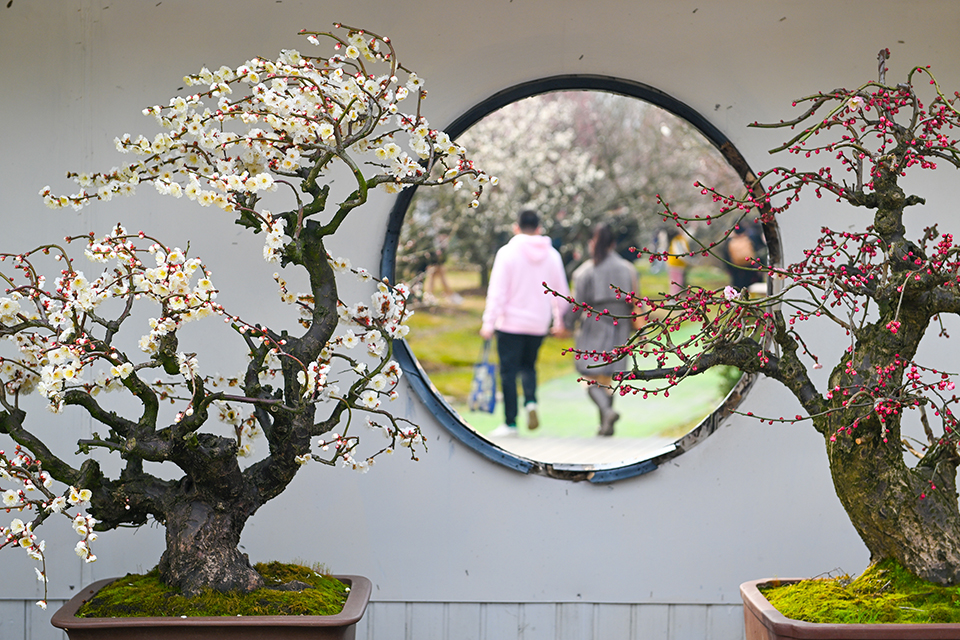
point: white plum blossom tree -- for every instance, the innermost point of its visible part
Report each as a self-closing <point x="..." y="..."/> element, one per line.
<point x="268" y="125"/>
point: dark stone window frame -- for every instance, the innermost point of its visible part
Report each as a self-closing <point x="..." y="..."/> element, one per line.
<point x="434" y="401"/>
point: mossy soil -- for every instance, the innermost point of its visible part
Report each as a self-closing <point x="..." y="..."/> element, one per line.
<point x="135" y="596"/>
<point x="884" y="593"/>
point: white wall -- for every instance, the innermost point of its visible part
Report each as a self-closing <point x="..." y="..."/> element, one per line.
<point x="753" y="500"/>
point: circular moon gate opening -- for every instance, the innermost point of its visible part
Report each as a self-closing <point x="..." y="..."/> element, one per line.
<point x="579" y="150"/>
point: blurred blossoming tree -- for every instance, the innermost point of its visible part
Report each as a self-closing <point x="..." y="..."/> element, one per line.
<point x="578" y="158"/>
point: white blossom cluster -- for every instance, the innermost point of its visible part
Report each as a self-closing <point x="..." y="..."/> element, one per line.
<point x="274" y="236"/>
<point x="266" y="119"/>
<point x="371" y="327"/>
<point x="303" y="301"/>
<point x="56" y="345"/>
<point x="407" y="436"/>
<point x="25" y="487"/>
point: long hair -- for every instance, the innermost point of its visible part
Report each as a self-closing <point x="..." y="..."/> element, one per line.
<point x="603" y="241"/>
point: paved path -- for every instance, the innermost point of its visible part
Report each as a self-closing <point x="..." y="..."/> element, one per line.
<point x="569" y="421"/>
<point x="598" y="451"/>
<point x="566" y="411"/>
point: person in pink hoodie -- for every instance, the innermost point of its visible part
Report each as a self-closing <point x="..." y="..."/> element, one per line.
<point x="521" y="312"/>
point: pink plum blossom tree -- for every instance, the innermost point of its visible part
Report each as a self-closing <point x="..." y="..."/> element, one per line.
<point x="268" y="126"/>
<point x="882" y="289"/>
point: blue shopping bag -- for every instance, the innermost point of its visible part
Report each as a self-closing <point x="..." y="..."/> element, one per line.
<point x="483" y="389"/>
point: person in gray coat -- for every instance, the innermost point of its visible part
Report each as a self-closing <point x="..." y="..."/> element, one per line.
<point x="595" y="283"/>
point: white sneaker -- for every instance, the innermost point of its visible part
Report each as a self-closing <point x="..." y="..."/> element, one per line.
<point x="504" y="431"/>
<point x="533" y="421"/>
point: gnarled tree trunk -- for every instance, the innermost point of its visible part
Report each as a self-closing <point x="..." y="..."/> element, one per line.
<point x="906" y="513"/>
<point x="202" y="539"/>
<point x="895" y="509"/>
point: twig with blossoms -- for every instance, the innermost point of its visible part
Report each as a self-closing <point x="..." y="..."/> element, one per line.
<point x="32" y="493"/>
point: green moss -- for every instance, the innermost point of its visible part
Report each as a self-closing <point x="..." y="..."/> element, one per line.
<point x="145" y="596"/>
<point x="885" y="593"/>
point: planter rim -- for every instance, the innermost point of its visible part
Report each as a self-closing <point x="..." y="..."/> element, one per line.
<point x="353" y="609"/>
<point x="790" y="628"/>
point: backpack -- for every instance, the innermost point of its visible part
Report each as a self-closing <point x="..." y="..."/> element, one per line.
<point x="740" y="248"/>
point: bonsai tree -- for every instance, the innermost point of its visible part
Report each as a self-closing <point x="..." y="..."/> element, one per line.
<point x="268" y="131"/>
<point x="882" y="287"/>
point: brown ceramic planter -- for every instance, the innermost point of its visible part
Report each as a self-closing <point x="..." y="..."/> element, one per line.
<point x="341" y="626"/>
<point x="763" y="622"/>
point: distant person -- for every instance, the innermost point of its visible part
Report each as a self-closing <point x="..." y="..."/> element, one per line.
<point x="741" y="252"/>
<point x="659" y="245"/>
<point x="677" y="248"/>
<point x="595" y="283"/>
<point x="520" y="311"/>
<point x="436" y="271"/>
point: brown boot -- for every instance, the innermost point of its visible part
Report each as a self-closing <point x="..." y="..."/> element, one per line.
<point x="607" y="422"/>
<point x="604" y="402"/>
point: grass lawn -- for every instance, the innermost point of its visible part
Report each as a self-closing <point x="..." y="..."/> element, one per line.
<point x="445" y="339"/>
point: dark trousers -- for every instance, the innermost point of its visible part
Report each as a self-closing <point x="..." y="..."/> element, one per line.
<point x="518" y="356"/>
